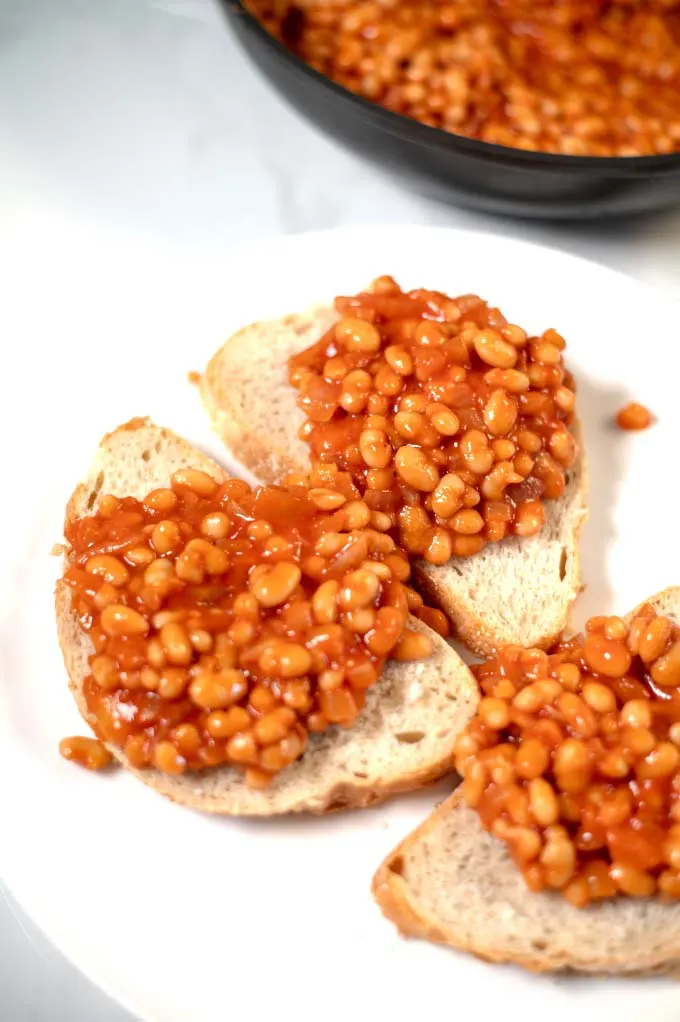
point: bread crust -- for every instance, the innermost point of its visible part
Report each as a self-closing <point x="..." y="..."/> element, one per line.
<point x="342" y="792"/>
<point x="267" y="443"/>
<point x="401" y="905"/>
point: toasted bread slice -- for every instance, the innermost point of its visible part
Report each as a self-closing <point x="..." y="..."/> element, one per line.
<point x="517" y="591"/>
<point x="451" y="882"/>
<point x="402" y="739"/>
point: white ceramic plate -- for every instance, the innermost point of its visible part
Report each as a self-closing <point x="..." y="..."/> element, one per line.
<point x="183" y="917"/>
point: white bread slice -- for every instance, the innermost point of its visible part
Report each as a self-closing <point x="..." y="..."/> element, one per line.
<point x="403" y="737"/>
<point x="517" y="591"/>
<point x="451" y="882"/>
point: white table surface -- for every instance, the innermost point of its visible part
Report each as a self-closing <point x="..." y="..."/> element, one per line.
<point x="142" y="118"/>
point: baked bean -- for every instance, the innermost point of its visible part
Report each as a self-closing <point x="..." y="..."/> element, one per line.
<point x="666" y="670"/>
<point x="599" y="697"/>
<point x="532" y="759"/>
<point x="215" y="525"/>
<point x="176" y="644"/>
<point x="168" y="759"/>
<point x="423" y="59"/>
<point x="155" y="653"/>
<point x="569" y="677"/>
<point x="357" y="335"/>
<point x="414" y="467"/>
<point x="439" y="547"/>
<point x="530" y="518"/>
<point x="493" y="350"/>
<point x="659" y="762"/>
<point x="119" y="621"/>
<point x="277" y="584"/>
<point x="500" y="413"/>
<point x="606" y="656"/>
<point x="87" y="752"/>
<point x="159" y="574"/>
<point x="375" y="450"/>
<point x="150" y="678"/>
<point x="187" y="737"/>
<point x="387" y="382"/>
<point x="326" y="500"/>
<point x="139" y="556"/>
<point x="226" y="723"/>
<point x="631" y="881"/>
<point x="465" y="423"/>
<point x="325" y="602"/>
<point x="633" y="416"/>
<point x="543" y="802"/>
<point x="162" y="500"/>
<point x="413" y="646"/>
<point x="443" y="419"/>
<point x="467" y="522"/>
<point x="434" y="619"/>
<point x="105" y="671"/>
<point x="562" y="446"/>
<point x="669" y="883"/>
<point x="594" y="759"/>
<point x="474" y="783"/>
<point x="242" y="749"/>
<point x="615" y="628"/>
<point x="285" y="659"/>
<point x="636" y="713"/>
<point x="260" y="531"/>
<point x="399" y="359"/>
<point x="382" y="521"/>
<point x="108" y="568"/>
<point x="274" y="726"/>
<point x="190" y="567"/>
<point x="494" y="713"/>
<point x="194" y="479"/>
<point x="166" y="537"/>
<point x="358" y="515"/>
<point x="448" y="494"/>
<point x="524" y="842"/>
<point x="545" y="353"/>
<point x="388" y="627"/>
<point x="639" y="741"/>
<point x="511" y="380"/>
<point x="197" y="663"/>
<point x="558" y="859"/>
<point x="215" y="690"/>
<point x="359" y="589"/>
<point x="653" y="641"/>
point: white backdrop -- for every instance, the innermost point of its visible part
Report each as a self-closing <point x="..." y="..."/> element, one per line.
<point x="142" y="118"/>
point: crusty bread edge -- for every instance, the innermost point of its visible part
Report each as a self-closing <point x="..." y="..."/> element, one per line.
<point x="225" y="416"/>
<point x="340" y="797"/>
<point x="392" y="892"/>
<point x="228" y="422"/>
<point x="468" y="623"/>
<point x="393" y="896"/>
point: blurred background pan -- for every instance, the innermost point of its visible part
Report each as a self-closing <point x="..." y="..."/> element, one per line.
<point x="461" y="170"/>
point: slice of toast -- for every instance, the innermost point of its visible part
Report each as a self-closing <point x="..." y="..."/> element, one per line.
<point x="402" y="739"/>
<point x="517" y="591"/>
<point x="451" y="882"/>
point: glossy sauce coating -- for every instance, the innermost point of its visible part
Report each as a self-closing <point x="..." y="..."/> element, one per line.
<point x="229" y="623"/>
<point x="452" y="422"/>
<point x="574" y="759"/>
<point x="578" y="77"/>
